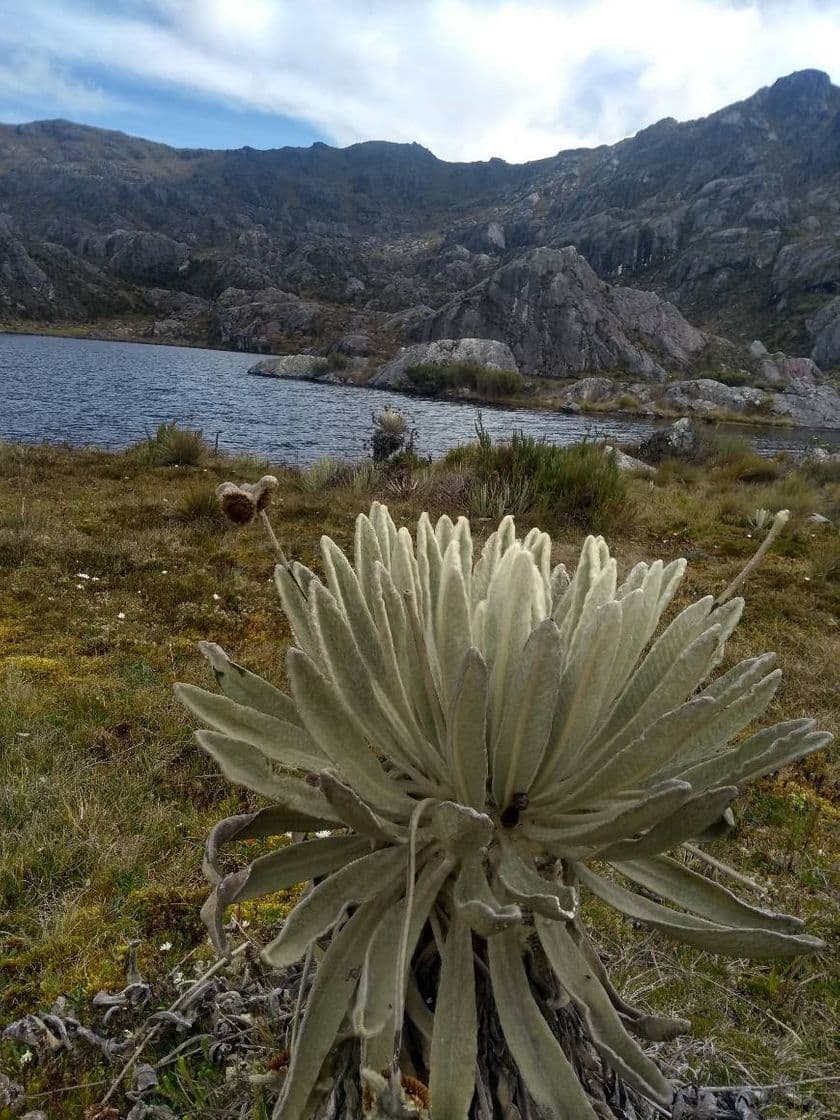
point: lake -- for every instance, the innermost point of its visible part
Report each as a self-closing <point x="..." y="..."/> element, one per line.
<point x="110" y="394"/>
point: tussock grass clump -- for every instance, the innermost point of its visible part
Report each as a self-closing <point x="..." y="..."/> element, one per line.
<point x="794" y="492"/>
<point x="172" y="446"/>
<point x="199" y="504"/>
<point x="577" y="485"/>
<point x="433" y="378"/>
<point x="323" y="475"/>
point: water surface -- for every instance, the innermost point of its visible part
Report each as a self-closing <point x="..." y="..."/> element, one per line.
<point x="110" y="394"/>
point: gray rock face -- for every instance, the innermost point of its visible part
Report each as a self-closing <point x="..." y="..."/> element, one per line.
<point x="811" y="406"/>
<point x="560" y="320"/>
<point x="296" y="366"/>
<point x="142" y="256"/>
<point x="485" y="351"/>
<point x="591" y="389"/>
<point x="782" y="371"/>
<point x="824" y="329"/>
<point x="703" y="396"/>
<point x="22" y="283"/>
<point x="352" y="346"/>
<point x="260" y="321"/>
<point x="757" y="349"/>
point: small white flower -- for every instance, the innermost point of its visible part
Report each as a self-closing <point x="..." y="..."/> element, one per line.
<point x="216" y="597"/>
<point x="82" y="575"/>
<point x="244" y="923"/>
<point x="80" y="587"/>
<point x="165" y="946"/>
<point x="26" y="1057"/>
<point x="165" y="572"/>
<point x="121" y="615"/>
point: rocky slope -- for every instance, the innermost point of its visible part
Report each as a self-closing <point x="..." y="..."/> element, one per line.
<point x="628" y="258"/>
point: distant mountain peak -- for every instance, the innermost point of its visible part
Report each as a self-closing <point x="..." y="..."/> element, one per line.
<point x="805" y="91"/>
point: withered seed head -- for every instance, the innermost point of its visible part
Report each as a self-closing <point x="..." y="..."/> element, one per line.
<point x="237" y="506"/>
<point x="261" y="491"/>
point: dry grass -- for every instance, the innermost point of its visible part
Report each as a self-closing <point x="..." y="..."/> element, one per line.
<point x="110" y="574"/>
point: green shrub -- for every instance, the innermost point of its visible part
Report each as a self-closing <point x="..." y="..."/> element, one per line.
<point x="577" y="484"/>
<point x="582" y="485"/>
<point x="432" y="378"/>
<point x="734" y="377"/>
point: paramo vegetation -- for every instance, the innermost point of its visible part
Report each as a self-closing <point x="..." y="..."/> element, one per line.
<point x="539" y="738"/>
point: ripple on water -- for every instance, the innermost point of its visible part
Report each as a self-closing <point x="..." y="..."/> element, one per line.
<point x="110" y="394"/>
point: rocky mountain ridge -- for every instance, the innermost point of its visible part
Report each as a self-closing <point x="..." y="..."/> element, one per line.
<point x="633" y="258"/>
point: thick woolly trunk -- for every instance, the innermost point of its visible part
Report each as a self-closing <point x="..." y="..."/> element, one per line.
<point x="500" y="1091"/>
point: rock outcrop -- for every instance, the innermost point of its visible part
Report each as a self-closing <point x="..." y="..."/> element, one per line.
<point x="678" y="441"/>
<point x="824" y="329"/>
<point x="482" y="351"/>
<point x="294" y="366"/>
<point x="561" y="320"/>
<point x="704" y="396"/>
<point x="808" y="406"/>
<point x="780" y="371"/>
<point x="260" y="321"/>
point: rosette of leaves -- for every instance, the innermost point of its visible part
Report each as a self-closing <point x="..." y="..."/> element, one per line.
<point x="477" y="740"/>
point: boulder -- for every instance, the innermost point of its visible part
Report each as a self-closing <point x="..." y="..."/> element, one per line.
<point x="703" y="395"/>
<point x="781" y="371"/>
<point x="561" y="320"/>
<point x="484" y="351"/>
<point x="679" y="441"/>
<point x="296" y="366"/>
<point x="627" y="462"/>
<point x="820" y="456"/>
<point x="807" y="405"/>
<point x="757" y="349"/>
<point x="590" y="389"/>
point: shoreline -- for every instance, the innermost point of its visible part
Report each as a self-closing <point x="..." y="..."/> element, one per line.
<point x="540" y="400"/>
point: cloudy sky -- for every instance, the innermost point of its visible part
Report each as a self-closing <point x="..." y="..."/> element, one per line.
<point x="470" y="79"/>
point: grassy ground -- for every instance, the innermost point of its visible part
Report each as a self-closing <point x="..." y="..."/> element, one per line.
<point x="113" y="568"/>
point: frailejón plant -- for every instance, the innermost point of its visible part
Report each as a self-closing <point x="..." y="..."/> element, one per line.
<point x="484" y="738"/>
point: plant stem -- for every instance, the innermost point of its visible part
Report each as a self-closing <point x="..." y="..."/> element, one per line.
<point x="779" y="522"/>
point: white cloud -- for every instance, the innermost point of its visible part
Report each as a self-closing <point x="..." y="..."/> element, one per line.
<point x="31" y="76"/>
<point x="469" y="79"/>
